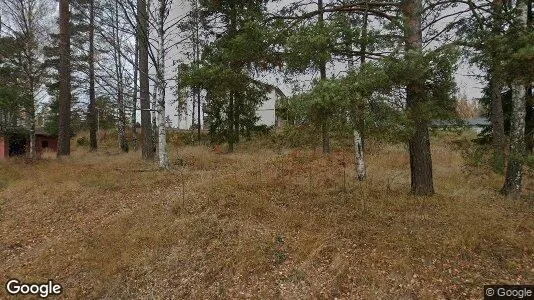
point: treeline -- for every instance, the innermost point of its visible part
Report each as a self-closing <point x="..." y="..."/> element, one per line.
<point x="368" y="67"/>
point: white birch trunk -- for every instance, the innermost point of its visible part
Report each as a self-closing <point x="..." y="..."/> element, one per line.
<point x="162" y="134"/>
<point x="514" y="170"/>
<point x="32" y="153"/>
<point x="360" y="163"/>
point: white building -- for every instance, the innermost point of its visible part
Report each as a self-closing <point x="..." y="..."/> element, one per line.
<point x="176" y="55"/>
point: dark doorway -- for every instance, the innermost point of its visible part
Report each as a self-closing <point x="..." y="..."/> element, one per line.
<point x="44" y="144"/>
<point x="17" y="145"/>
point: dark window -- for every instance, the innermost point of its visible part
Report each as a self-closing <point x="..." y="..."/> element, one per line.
<point x="44" y="144"/>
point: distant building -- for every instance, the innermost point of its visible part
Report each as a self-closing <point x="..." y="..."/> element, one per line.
<point x="267" y="111"/>
<point x="16" y="144"/>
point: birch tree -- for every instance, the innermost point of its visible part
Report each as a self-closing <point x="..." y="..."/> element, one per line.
<point x="514" y="170"/>
<point x="163" y="13"/>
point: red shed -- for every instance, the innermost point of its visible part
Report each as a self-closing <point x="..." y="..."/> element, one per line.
<point x="17" y="144"/>
<point x="44" y="142"/>
<point x="4" y="147"/>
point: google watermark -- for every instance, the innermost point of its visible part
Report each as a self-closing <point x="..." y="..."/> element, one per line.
<point x="44" y="290"/>
<point x="508" y="292"/>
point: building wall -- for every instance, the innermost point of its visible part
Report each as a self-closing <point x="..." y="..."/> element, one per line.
<point x="266" y="112"/>
<point x="51" y="141"/>
<point x="4" y="148"/>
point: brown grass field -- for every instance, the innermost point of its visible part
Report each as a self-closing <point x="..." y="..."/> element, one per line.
<point x="261" y="224"/>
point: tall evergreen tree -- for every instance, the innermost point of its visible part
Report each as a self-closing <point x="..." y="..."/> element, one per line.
<point x="240" y="41"/>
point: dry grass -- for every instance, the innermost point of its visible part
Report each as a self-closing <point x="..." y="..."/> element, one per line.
<point x="260" y="224"/>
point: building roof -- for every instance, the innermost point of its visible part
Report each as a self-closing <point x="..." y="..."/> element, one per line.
<point x="38" y="131"/>
<point x="43" y="132"/>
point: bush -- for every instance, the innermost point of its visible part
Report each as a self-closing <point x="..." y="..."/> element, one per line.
<point x="82" y="141"/>
<point x="184" y="137"/>
<point x="291" y="136"/>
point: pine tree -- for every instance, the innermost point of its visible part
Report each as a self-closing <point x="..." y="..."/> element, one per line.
<point x="64" y="80"/>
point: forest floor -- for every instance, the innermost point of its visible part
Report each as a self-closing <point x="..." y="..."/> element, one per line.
<point x="288" y="224"/>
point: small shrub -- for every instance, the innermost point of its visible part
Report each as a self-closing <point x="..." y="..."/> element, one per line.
<point x="180" y="138"/>
<point x="295" y="136"/>
<point x="82" y="141"/>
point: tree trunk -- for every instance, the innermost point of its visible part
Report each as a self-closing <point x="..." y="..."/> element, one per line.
<point x="514" y="170"/>
<point x="237" y="116"/>
<point x="360" y="163"/>
<point x="134" y="96"/>
<point x="193" y="111"/>
<point x="197" y="59"/>
<point x="144" y="93"/>
<point x="92" y="107"/>
<point x="496" y="84"/>
<point x="64" y="79"/>
<point x="231" y="116"/>
<point x="325" y="136"/>
<point x="123" y="141"/>
<point x="121" y="128"/>
<point x="31" y="116"/>
<point x="360" y="126"/>
<point x="497" y="120"/>
<point x="31" y="111"/>
<point x="198" y="114"/>
<point x="529" y="124"/>
<point x="154" y="111"/>
<point x="419" y="143"/>
<point x="162" y="135"/>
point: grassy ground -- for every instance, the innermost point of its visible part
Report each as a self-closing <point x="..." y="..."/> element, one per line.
<point x="261" y="224"/>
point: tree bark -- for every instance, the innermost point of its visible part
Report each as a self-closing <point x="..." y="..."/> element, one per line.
<point x="64" y="80"/>
<point x="496" y="84"/>
<point x="232" y="30"/>
<point x="193" y="111"/>
<point x="31" y="116"/>
<point x="360" y="126"/>
<point x="419" y="143"/>
<point x="514" y="170"/>
<point x="325" y="130"/>
<point x="197" y="59"/>
<point x="134" y="96"/>
<point x="121" y="128"/>
<point x="154" y="110"/>
<point x="198" y="114"/>
<point x="497" y="118"/>
<point x="162" y="134"/>
<point x="529" y="123"/>
<point x="31" y="108"/>
<point x="92" y="105"/>
<point x="231" y="129"/>
<point x="360" y="163"/>
<point x="144" y="92"/>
